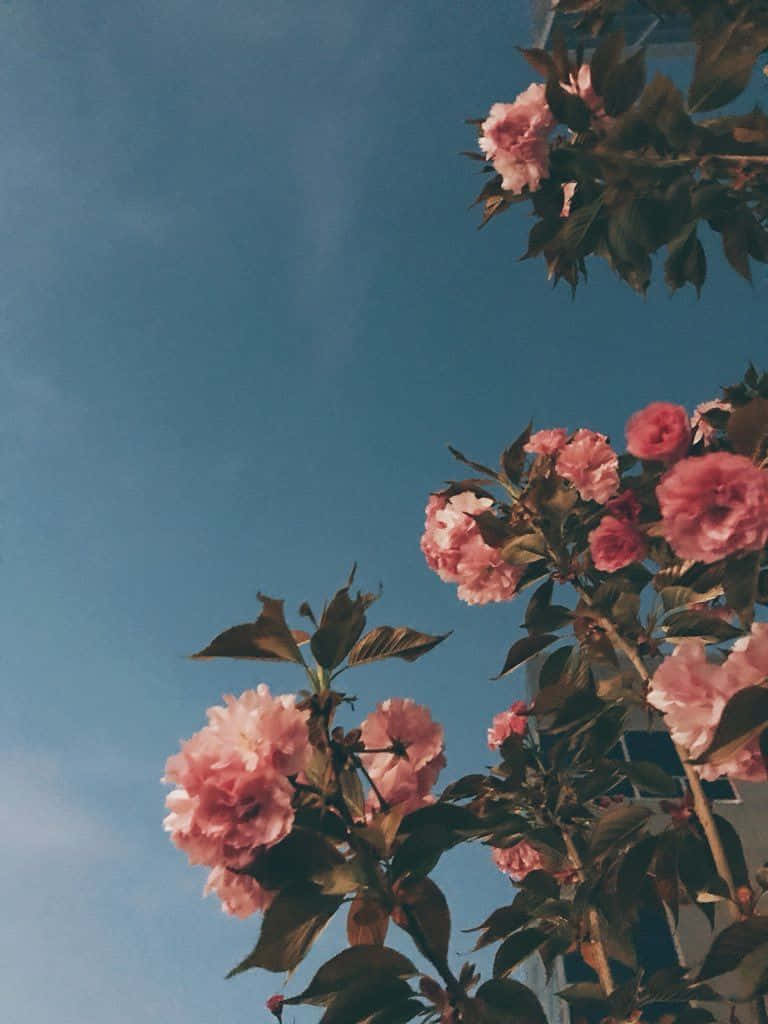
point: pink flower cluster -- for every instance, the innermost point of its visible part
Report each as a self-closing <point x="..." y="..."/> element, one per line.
<point x="454" y="548"/>
<point x="408" y="755"/>
<point x="546" y="442"/>
<point x="232" y="794"/>
<point x="515" y="139"/>
<point x="692" y="692"/>
<point x="591" y="465"/>
<point x="713" y="506"/>
<point x="512" y="722"/>
<point x="617" y="541"/>
<point x="519" y="860"/>
<point x="660" y="432"/>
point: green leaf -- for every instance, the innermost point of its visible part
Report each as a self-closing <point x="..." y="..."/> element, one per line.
<point x="341" y="625"/>
<point x="421" y="851"/>
<point x="399" y="1012"/>
<point x="585" y="995"/>
<point x="503" y="921"/>
<point x="747" y="428"/>
<point x="744" y="717"/>
<point x="568" y="108"/>
<point x="513" y="456"/>
<point x="510" y="1002"/>
<point x="605" y="58"/>
<point x="368" y="995"/>
<point x="686" y="261"/>
<point x="649" y="778"/>
<point x="421" y="903"/>
<point x="740" y="585"/>
<point x="266" y="639"/>
<point x="725" y="57"/>
<point x="393" y="642"/>
<point x="616" y="826"/>
<point x="523" y="650"/>
<point x="554" y="666"/>
<point x="352" y="791"/>
<point x="732" y="945"/>
<point x="623" y="84"/>
<point x="682" y="625"/>
<point x="516" y="948"/>
<point x="347" y="967"/>
<point x="290" y="926"/>
<point x="303" y="856"/>
<point x="734" y="852"/>
<point x="633" y="870"/>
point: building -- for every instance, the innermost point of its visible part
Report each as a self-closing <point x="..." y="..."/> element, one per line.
<point x="664" y="37"/>
<point x="657" y="940"/>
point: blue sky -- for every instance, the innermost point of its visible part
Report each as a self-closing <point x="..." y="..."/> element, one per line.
<point x="243" y="308"/>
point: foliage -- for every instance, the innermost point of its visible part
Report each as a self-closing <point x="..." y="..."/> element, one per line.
<point x="652" y="166"/>
<point x="588" y="865"/>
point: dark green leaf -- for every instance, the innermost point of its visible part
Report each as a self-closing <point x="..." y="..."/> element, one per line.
<point x="341" y="625"/>
<point x="623" y="84"/>
<point x="744" y="717"/>
<point x="605" y="58"/>
<point x="732" y="945"/>
<point x="649" y="778"/>
<point x="699" y="624"/>
<point x="266" y="639"/>
<point x="347" y="967"/>
<point x="740" y="585"/>
<point x="399" y="1012"/>
<point x="524" y="649"/>
<point x="393" y="642"/>
<point x="615" y="827"/>
<point x="568" y="108"/>
<point x="368" y="995"/>
<point x="632" y="871"/>
<point x="422" y="850"/>
<point x="509" y="1002"/>
<point x="290" y="926"/>
<point x="516" y="948"/>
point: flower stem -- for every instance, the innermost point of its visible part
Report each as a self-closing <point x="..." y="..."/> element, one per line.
<point x="700" y="802"/>
<point x="601" y="964"/>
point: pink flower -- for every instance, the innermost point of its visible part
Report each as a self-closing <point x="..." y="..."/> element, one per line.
<point x="702" y="430"/>
<point x="519" y="860"/>
<point x="591" y="465"/>
<point x="661" y="431"/>
<point x="624" y="506"/>
<point x="692" y="693"/>
<point x="402" y="778"/>
<point x="454" y="548"/>
<point x="714" y="506"/>
<point x="264" y="729"/>
<point x="616" y="543"/>
<point x="546" y="442"/>
<point x="512" y="722"/>
<point x="224" y="813"/>
<point x="232" y="794"/>
<point x="569" y="191"/>
<point x="747" y="664"/>
<point x="514" y="139"/>
<point x="240" y="895"/>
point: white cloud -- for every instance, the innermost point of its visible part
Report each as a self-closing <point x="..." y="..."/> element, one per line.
<point x="41" y="818"/>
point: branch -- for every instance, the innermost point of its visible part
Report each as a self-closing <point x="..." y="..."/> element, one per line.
<point x="601" y="965"/>
<point x="700" y="801"/>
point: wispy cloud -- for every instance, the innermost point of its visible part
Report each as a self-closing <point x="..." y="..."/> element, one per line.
<point x="41" y="818"/>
